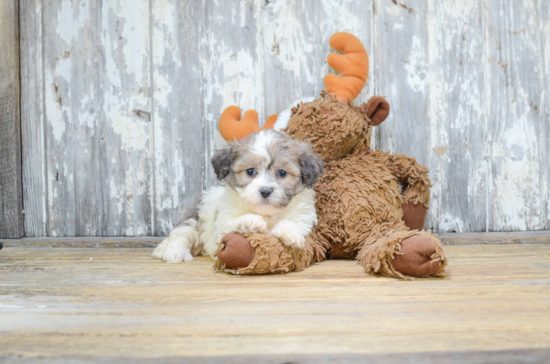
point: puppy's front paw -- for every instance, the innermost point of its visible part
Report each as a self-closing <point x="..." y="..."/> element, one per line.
<point x="289" y="236"/>
<point x="251" y="223"/>
<point x="177" y="254"/>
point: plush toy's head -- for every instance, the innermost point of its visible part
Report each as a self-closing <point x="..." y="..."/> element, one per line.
<point x="333" y="124"/>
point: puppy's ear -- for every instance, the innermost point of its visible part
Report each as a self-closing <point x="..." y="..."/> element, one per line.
<point x="222" y="161"/>
<point x="311" y="164"/>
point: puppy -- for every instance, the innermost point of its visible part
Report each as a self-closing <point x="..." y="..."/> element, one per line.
<point x="267" y="182"/>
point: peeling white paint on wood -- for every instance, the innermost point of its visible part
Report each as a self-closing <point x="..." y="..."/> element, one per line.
<point x="120" y="101"/>
<point x="180" y="144"/>
<point x="32" y="118"/>
<point x="11" y="196"/>
<point x="457" y="119"/>
<point x="515" y="123"/>
<point x="544" y="26"/>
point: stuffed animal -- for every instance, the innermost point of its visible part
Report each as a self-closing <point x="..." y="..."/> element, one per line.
<point x="371" y="205"/>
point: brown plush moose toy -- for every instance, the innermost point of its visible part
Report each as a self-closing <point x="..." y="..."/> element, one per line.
<point x="371" y="205"/>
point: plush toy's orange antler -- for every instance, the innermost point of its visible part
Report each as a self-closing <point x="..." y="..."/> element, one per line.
<point x="233" y="127"/>
<point x="352" y="65"/>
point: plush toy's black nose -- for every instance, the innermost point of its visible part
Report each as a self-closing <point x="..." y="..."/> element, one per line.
<point x="265" y="191"/>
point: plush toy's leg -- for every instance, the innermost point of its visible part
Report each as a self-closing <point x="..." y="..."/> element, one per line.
<point x="404" y="254"/>
<point x="264" y="253"/>
<point x="416" y="188"/>
<point x="414" y="214"/>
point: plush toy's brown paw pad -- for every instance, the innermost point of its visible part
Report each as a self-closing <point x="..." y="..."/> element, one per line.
<point x="415" y="260"/>
<point x="414" y="216"/>
<point x="236" y="251"/>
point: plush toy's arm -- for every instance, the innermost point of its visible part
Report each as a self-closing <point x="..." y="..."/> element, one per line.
<point x="413" y="177"/>
<point x="265" y="253"/>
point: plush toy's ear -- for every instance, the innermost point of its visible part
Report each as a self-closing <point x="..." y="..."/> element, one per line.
<point x="376" y="110"/>
<point x="233" y="127"/>
<point x="352" y="66"/>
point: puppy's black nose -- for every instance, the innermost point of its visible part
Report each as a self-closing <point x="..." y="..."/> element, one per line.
<point x="265" y="191"/>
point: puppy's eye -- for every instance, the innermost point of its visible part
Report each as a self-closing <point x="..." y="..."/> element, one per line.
<point x="281" y="173"/>
<point x="251" y="172"/>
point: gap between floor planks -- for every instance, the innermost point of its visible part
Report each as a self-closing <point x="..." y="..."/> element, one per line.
<point x="521" y="237"/>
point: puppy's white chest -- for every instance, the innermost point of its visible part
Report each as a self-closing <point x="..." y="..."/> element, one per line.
<point x="271" y="222"/>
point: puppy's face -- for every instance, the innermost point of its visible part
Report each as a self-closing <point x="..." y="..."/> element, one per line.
<point x="267" y="169"/>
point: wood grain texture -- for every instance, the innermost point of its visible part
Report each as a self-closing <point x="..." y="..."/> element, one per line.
<point x="98" y="124"/>
<point x="89" y="303"/>
<point x="492" y="238"/>
<point x="11" y="200"/>
<point x="124" y="133"/>
<point x="121" y="103"/>
<point x="532" y="356"/>
<point x="458" y="153"/>
<point x="73" y="113"/>
<point x="180" y="147"/>
<point x="544" y="23"/>
<point x="33" y="119"/>
<point x="515" y="124"/>
<point x="99" y="242"/>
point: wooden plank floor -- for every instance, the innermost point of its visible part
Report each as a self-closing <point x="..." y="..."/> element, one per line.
<point x="492" y="238"/>
<point x="121" y="304"/>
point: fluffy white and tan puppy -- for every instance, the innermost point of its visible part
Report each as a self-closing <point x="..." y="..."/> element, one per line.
<point x="267" y="182"/>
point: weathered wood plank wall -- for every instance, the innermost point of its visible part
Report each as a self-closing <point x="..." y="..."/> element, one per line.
<point x="121" y="100"/>
<point x="457" y="100"/>
<point x="11" y="190"/>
